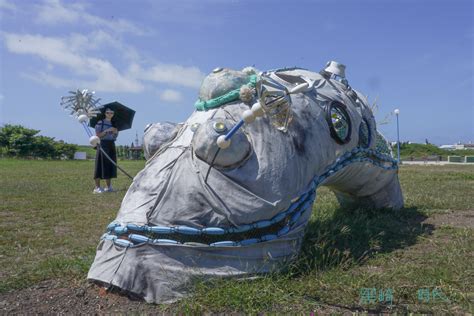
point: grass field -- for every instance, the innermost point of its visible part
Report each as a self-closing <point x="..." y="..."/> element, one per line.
<point x="352" y="260"/>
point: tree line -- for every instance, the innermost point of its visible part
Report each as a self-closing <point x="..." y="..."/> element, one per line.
<point x="20" y="142"/>
<point x="411" y="151"/>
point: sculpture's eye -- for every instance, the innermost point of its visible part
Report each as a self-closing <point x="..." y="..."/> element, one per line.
<point x="339" y="122"/>
<point x="205" y="145"/>
<point x="158" y="134"/>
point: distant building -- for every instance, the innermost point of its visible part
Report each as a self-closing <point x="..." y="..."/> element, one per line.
<point x="136" y="149"/>
<point x="457" y="146"/>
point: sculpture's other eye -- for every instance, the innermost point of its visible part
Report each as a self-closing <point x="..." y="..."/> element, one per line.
<point x="205" y="145"/>
<point x="365" y="136"/>
<point x="339" y="122"/>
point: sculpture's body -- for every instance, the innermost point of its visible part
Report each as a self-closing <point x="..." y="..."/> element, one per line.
<point x="247" y="213"/>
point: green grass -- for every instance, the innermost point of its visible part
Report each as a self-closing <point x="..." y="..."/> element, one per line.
<point x="50" y="220"/>
<point x="51" y="224"/>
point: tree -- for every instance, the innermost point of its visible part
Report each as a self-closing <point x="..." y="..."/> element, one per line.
<point x="19" y="141"/>
<point x="43" y="147"/>
<point x="64" y="150"/>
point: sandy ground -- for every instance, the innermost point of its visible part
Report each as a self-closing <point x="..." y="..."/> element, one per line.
<point x="55" y="297"/>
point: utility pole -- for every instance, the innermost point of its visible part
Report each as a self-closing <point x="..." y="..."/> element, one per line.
<point x="397" y="112"/>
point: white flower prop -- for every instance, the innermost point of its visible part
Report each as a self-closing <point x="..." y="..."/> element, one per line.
<point x="246" y="94"/>
<point x="81" y="103"/>
<point x="250" y="71"/>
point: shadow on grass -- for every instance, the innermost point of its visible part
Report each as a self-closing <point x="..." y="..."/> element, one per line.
<point x="338" y="239"/>
<point x="350" y="237"/>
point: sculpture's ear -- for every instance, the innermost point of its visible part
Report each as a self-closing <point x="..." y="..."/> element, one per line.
<point x="157" y="134"/>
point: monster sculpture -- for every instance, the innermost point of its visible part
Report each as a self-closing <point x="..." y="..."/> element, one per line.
<point x="230" y="191"/>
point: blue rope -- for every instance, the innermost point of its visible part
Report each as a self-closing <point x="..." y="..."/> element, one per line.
<point x="294" y="211"/>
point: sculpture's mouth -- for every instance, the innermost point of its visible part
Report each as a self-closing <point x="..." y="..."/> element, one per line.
<point x="243" y="235"/>
<point x="132" y="235"/>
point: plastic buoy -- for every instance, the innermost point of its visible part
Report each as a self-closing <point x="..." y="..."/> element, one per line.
<point x="82" y="118"/>
<point x="257" y="109"/>
<point x="222" y="142"/>
<point x="94" y="140"/>
<point x="248" y="116"/>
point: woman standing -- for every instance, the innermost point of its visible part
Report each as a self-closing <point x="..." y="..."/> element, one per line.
<point x="104" y="168"/>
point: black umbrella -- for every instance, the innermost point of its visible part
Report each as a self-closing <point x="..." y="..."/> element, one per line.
<point x="123" y="116"/>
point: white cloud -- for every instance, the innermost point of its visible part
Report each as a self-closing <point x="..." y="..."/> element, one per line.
<point x="107" y="82"/>
<point x="169" y="73"/>
<point x="170" y="95"/>
<point x="5" y="5"/>
<point x="51" y="80"/>
<point x="100" y="39"/>
<point x="73" y="53"/>
<point x="53" y="12"/>
<point x="110" y="79"/>
<point x="79" y="53"/>
<point x="60" y="51"/>
<point x="54" y="50"/>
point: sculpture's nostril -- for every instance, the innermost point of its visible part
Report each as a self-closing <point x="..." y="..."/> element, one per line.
<point x="195" y="126"/>
<point x="219" y="127"/>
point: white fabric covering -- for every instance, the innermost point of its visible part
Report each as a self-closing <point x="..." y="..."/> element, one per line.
<point x="171" y="190"/>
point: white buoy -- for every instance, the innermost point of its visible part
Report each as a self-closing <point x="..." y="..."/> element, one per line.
<point x="299" y="88"/>
<point x="222" y="143"/>
<point x="94" y="140"/>
<point x="257" y="109"/>
<point x="82" y="118"/>
<point x="248" y="116"/>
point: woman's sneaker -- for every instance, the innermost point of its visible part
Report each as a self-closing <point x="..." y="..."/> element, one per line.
<point x="109" y="189"/>
<point x="98" y="190"/>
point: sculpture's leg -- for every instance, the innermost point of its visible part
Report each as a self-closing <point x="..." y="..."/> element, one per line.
<point x="364" y="184"/>
<point x="389" y="196"/>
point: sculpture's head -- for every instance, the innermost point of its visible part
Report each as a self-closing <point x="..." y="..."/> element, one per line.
<point x="249" y="191"/>
<point x="269" y="162"/>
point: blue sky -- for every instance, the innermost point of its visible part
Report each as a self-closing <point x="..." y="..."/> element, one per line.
<point x="152" y="55"/>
